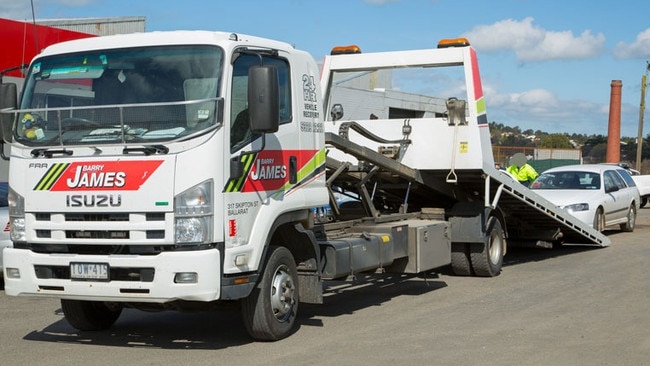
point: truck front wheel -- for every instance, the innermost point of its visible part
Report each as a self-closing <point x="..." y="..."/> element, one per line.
<point x="89" y="315"/>
<point x="270" y="311"/>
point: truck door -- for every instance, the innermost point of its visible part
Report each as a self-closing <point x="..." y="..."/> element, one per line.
<point x="262" y="161"/>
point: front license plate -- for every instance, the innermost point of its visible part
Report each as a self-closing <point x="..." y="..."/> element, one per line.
<point x="89" y="271"/>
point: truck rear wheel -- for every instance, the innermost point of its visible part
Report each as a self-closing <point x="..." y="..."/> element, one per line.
<point x="270" y="311"/>
<point x="89" y="315"/>
<point x="487" y="257"/>
<point x="460" y="260"/>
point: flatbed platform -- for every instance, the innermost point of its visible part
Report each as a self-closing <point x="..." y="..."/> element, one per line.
<point x="531" y="219"/>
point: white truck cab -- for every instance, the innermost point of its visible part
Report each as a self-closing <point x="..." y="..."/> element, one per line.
<point x="143" y="170"/>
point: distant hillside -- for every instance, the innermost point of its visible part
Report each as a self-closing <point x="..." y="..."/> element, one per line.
<point x="594" y="147"/>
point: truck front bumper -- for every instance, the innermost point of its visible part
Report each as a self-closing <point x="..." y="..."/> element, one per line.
<point x="28" y="273"/>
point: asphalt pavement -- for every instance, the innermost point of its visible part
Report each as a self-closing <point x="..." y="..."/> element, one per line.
<point x="567" y="306"/>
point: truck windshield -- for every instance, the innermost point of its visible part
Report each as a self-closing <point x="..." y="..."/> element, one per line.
<point x="135" y="95"/>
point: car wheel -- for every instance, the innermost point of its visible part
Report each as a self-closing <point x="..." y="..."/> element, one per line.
<point x="631" y="219"/>
<point x="599" y="220"/>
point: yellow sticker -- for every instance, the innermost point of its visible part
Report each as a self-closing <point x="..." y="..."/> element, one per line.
<point x="385" y="238"/>
<point x="464" y="147"/>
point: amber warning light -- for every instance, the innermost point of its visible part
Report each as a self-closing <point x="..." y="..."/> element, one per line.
<point x="345" y="50"/>
<point x="455" y="42"/>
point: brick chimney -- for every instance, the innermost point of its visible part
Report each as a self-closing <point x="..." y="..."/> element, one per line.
<point x="614" y="127"/>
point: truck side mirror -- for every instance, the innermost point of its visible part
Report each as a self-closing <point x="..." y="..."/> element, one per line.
<point x="263" y="99"/>
<point x="8" y="100"/>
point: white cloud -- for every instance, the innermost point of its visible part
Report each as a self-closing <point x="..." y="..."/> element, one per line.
<point x="540" y="109"/>
<point x="640" y="48"/>
<point x="535" y="103"/>
<point x="533" y="43"/>
<point x="21" y="9"/>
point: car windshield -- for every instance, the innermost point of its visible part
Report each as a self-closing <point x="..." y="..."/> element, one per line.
<point x="567" y="180"/>
<point x="134" y="95"/>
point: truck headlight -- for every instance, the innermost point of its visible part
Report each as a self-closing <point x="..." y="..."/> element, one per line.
<point x="16" y="216"/>
<point x="577" y="207"/>
<point x="193" y="211"/>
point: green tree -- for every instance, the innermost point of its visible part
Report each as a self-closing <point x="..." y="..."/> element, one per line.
<point x="591" y="142"/>
<point x="628" y="149"/>
<point x="555" y="141"/>
<point x="598" y="153"/>
<point x="645" y="148"/>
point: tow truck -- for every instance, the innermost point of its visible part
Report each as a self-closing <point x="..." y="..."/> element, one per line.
<point x="181" y="170"/>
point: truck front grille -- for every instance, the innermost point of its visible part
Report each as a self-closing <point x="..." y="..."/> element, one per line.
<point x="96" y="234"/>
<point x="131" y="228"/>
<point x="96" y="217"/>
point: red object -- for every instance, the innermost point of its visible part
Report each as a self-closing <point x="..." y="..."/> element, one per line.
<point x="232" y="228"/>
<point x="125" y="175"/>
<point x="21" y="41"/>
<point x="614" y="128"/>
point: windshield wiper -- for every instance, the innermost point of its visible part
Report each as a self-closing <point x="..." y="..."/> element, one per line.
<point x="147" y="150"/>
<point x="49" y="153"/>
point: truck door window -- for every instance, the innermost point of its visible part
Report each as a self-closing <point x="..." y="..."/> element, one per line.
<point x="240" y="134"/>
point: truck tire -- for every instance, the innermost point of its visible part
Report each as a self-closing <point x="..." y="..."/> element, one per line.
<point x="487" y="257"/>
<point x="460" y="261"/>
<point x="628" y="226"/>
<point x="644" y="201"/>
<point x="270" y="311"/>
<point x="89" y="315"/>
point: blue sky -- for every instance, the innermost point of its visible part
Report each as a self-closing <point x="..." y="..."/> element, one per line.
<point x="546" y="65"/>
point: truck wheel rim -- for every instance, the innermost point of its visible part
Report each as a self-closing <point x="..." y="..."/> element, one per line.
<point x="495" y="247"/>
<point x="283" y="291"/>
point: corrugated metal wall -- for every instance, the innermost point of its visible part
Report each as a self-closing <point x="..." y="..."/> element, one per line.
<point x="99" y="26"/>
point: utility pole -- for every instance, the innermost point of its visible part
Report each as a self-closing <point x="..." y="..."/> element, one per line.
<point x="639" y="141"/>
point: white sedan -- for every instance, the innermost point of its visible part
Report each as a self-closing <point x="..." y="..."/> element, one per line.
<point x="600" y="195"/>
